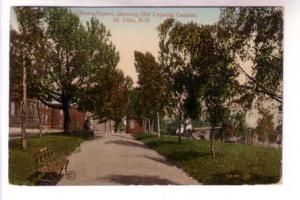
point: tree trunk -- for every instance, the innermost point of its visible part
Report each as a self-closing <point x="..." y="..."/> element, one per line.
<point x="184" y="128"/>
<point x="116" y="125"/>
<point x="251" y="136"/>
<point x="149" y="125"/>
<point x="24" y="108"/>
<point x="40" y="121"/>
<point x="145" y="126"/>
<point x="158" y="125"/>
<point x="110" y="129"/>
<point x="152" y="126"/>
<point x="66" y="117"/>
<point x="179" y="128"/>
<point x="223" y="133"/>
<point x="212" y="138"/>
<point x="105" y="126"/>
<point x="179" y="137"/>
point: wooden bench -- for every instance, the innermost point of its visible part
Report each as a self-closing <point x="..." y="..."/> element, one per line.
<point x="48" y="162"/>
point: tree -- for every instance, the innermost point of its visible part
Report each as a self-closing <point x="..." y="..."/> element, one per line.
<point x="152" y="90"/>
<point x="119" y="97"/>
<point x="265" y="127"/>
<point x="108" y="96"/>
<point x="217" y="94"/>
<point x="238" y="124"/>
<point x="24" y="51"/>
<point x="199" y="70"/>
<point x="75" y="54"/>
<point x="179" y="72"/>
<point x="254" y="36"/>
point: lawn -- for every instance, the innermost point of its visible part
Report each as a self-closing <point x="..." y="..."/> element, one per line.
<point x="22" y="164"/>
<point x="234" y="164"/>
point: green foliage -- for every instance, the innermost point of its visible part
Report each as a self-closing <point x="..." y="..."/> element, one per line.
<point x="200" y="75"/>
<point x="197" y="67"/>
<point x="108" y="97"/>
<point x="168" y="126"/>
<point x="255" y="35"/>
<point x="151" y="91"/>
<point x="234" y="164"/>
<point x="200" y="122"/>
<point x="68" y="56"/>
<point x="27" y="37"/>
<point x="265" y="126"/>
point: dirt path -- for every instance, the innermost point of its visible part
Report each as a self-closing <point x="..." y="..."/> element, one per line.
<point x="118" y="159"/>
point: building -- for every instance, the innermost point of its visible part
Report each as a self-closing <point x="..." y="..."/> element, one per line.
<point x="204" y="132"/>
<point x="107" y="126"/>
<point x="133" y="126"/>
<point x="38" y="114"/>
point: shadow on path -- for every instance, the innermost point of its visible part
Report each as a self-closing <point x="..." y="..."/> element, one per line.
<point x="139" y="180"/>
<point x="160" y="160"/>
<point x="127" y="143"/>
<point x="125" y="137"/>
<point x="98" y="136"/>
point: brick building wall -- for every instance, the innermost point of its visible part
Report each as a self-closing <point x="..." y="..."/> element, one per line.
<point x="46" y="116"/>
<point x="15" y="113"/>
<point x="77" y="119"/>
<point x="51" y="118"/>
<point x="57" y="119"/>
<point x="133" y="126"/>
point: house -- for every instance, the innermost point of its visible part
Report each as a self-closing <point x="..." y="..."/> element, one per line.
<point x="99" y="126"/>
<point x="204" y="132"/>
<point x="133" y="125"/>
<point x="50" y="119"/>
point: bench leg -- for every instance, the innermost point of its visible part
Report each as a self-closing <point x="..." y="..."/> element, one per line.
<point x="66" y="166"/>
<point x="70" y="175"/>
<point x="60" y="171"/>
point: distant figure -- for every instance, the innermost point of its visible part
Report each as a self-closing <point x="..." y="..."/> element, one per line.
<point x="180" y="130"/>
<point x="86" y="125"/>
<point x="189" y="128"/>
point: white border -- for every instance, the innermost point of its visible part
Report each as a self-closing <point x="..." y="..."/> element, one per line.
<point x="291" y="167"/>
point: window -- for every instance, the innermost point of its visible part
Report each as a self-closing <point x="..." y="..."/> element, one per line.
<point x="131" y="124"/>
<point x="31" y="109"/>
<point x="12" y="109"/>
<point x="46" y="119"/>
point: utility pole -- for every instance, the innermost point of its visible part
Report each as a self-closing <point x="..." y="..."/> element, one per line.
<point x="158" y="124"/>
<point x="24" y="106"/>
<point x="39" y="116"/>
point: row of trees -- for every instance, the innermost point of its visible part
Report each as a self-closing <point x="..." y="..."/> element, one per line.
<point x="150" y="99"/>
<point x="54" y="57"/>
<point x="201" y="69"/>
<point x="199" y="72"/>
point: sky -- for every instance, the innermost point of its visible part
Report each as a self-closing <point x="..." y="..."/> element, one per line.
<point x="130" y="34"/>
<point x="136" y="28"/>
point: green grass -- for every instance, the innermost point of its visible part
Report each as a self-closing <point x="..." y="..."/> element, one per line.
<point x="22" y="164"/>
<point x="234" y="164"/>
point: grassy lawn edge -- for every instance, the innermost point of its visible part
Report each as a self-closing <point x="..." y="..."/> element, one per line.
<point x="22" y="164"/>
<point x="235" y="164"/>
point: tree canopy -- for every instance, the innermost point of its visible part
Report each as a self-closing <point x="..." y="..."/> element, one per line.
<point x="73" y="55"/>
<point x="255" y="36"/>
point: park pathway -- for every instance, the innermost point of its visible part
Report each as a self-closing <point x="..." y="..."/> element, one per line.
<point x="119" y="159"/>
